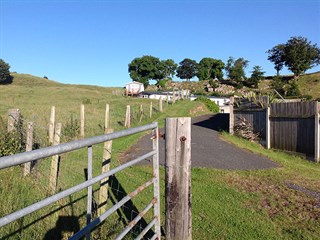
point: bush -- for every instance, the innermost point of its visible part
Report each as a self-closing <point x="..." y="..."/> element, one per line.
<point x="71" y="129"/>
<point x="11" y="142"/>
<point x="4" y="71"/>
<point x="212" y="106"/>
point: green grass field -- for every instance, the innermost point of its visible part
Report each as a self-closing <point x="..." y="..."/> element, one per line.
<point x="226" y="204"/>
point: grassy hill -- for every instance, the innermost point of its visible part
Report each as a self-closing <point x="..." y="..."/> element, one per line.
<point x="309" y="84"/>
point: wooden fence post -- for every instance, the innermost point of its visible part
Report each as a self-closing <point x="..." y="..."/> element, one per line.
<point x="160" y="105"/>
<point x="231" y="116"/>
<point x="150" y="109"/>
<point x="53" y="182"/>
<point x="13" y="119"/>
<point x="178" y="179"/>
<point x="317" y="133"/>
<point x="103" y="193"/>
<point x="107" y="118"/>
<point x="51" y="124"/>
<point x="29" y="143"/>
<point x="268" y="129"/>
<point x="127" y="122"/>
<point x="82" y="121"/>
<point x="174" y="97"/>
<point x="140" y="113"/>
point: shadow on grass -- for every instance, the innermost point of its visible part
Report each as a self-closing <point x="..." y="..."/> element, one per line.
<point x="128" y="211"/>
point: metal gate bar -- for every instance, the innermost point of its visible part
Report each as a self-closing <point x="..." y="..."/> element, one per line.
<point x="21" y="158"/>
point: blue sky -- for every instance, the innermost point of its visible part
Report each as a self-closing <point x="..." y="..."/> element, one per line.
<point x="92" y="42"/>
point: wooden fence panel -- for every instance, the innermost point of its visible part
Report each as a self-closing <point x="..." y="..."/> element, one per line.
<point x="257" y="119"/>
<point x="293" y="134"/>
<point x="293" y="126"/>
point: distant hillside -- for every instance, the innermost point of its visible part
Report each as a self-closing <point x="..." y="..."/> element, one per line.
<point x="310" y="84"/>
<point x="20" y="79"/>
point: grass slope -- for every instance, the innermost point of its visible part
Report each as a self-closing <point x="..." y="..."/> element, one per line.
<point x="225" y="204"/>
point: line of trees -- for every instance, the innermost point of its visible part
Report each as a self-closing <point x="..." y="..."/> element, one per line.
<point x="146" y="68"/>
<point x="298" y="55"/>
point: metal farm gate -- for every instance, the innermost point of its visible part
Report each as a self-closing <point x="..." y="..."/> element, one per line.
<point x="40" y="154"/>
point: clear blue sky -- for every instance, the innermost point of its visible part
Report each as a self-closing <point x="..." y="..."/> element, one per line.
<point x="92" y="42"/>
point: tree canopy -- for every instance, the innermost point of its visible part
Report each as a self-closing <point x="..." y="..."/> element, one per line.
<point x="148" y="68"/>
<point x="297" y="54"/>
<point x="256" y="76"/>
<point x="276" y="55"/>
<point x="235" y="69"/>
<point x="4" y="71"/>
<point x="210" y="68"/>
<point x="187" y="69"/>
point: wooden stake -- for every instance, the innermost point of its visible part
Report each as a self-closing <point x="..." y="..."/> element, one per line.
<point x="103" y="193"/>
<point x="29" y="143"/>
<point x="150" y="109"/>
<point x="107" y="118"/>
<point x="82" y="121"/>
<point x="140" y="113"/>
<point x="13" y="119"/>
<point x="127" y="122"/>
<point x="53" y="182"/>
<point x="51" y="124"/>
<point x="160" y="105"/>
<point x="178" y="179"/>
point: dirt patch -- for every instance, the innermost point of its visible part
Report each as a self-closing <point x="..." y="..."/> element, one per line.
<point x="279" y="199"/>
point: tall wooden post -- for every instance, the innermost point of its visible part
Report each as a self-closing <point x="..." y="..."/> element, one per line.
<point x="103" y="193"/>
<point x="53" y="182"/>
<point x="178" y="178"/>
<point x="29" y="143"/>
<point x="107" y="118"/>
<point x="174" y="97"/>
<point x="82" y="121"/>
<point x="150" y="109"/>
<point x="231" y="116"/>
<point x="51" y="124"/>
<point x="317" y="132"/>
<point x="268" y="129"/>
<point x="140" y="113"/>
<point x="127" y="122"/>
<point x="160" y="105"/>
<point x="13" y="119"/>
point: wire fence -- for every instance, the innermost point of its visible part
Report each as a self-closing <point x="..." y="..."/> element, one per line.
<point x="67" y="216"/>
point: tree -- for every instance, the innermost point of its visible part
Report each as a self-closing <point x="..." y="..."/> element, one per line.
<point x="210" y="68"/>
<point x="235" y="69"/>
<point x="4" y="71"/>
<point x="187" y="69"/>
<point x="276" y="55"/>
<point x="256" y="76"/>
<point x="300" y="55"/>
<point x="146" y="68"/>
<point x="169" y="68"/>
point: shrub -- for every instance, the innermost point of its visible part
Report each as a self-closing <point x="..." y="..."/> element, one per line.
<point x="71" y="129"/>
<point x="212" y="106"/>
<point x="11" y="142"/>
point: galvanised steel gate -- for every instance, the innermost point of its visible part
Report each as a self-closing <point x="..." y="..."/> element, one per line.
<point x="10" y="161"/>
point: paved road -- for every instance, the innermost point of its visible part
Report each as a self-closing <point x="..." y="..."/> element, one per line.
<point x="208" y="149"/>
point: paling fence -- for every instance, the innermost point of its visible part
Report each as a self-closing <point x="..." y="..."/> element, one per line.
<point x="288" y="126"/>
<point x="61" y="213"/>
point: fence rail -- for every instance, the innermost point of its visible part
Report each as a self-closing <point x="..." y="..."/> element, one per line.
<point x="9" y="161"/>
